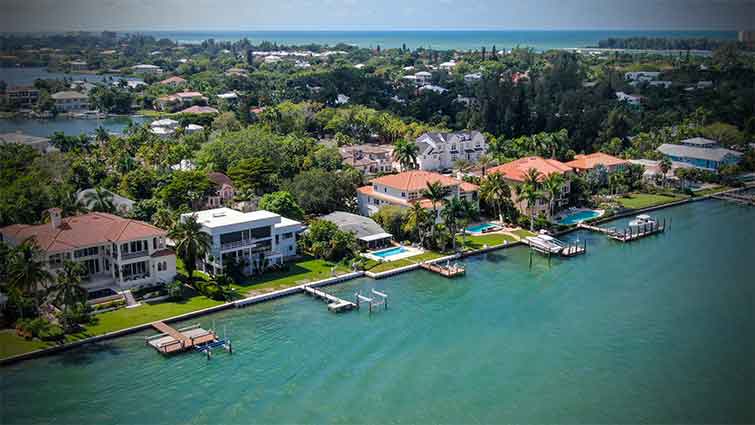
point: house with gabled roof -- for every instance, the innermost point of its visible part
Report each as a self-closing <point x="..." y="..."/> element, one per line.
<point x="116" y="252"/>
<point x="439" y="151"/>
<point x="407" y="188"/>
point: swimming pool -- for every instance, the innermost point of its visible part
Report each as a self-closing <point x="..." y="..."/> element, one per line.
<point x="578" y="216"/>
<point x="390" y="252"/>
<point x="481" y="228"/>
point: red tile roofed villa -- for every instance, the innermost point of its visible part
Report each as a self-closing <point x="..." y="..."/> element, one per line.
<point x="199" y="110"/>
<point x="514" y="172"/>
<point x="116" y="252"/>
<point x="225" y="191"/>
<point x="173" y="81"/>
<point x="406" y="188"/>
<point x="588" y="162"/>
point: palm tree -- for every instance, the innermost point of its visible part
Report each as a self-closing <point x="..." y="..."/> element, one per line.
<point x="552" y="186"/>
<point x="69" y="205"/>
<point x="664" y="165"/>
<point x="162" y="218"/>
<point x="494" y="191"/>
<point x="529" y="191"/>
<point x="436" y="193"/>
<point x="67" y="290"/>
<point x="101" y="135"/>
<point x="469" y="211"/>
<point x="417" y="220"/>
<point x="486" y="161"/>
<point x="99" y="200"/>
<point x="26" y="269"/>
<point x="405" y="153"/>
<point x="191" y="243"/>
<point x="463" y="165"/>
<point x="451" y="213"/>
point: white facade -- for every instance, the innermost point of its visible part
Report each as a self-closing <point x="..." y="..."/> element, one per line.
<point x="256" y="239"/>
<point x="67" y="101"/>
<point x="439" y="151"/>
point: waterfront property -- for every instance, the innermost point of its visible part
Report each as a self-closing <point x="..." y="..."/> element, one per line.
<point x="368" y="233"/>
<point x="70" y="101"/>
<point x="179" y="100"/>
<point x="115" y="252"/>
<point x="42" y="144"/>
<point x="147" y="69"/>
<point x="514" y="172"/>
<point x="439" y="151"/>
<point x="480" y="229"/>
<point x="255" y="240"/>
<point x="582" y="163"/>
<point x="700" y="153"/>
<point x="164" y="127"/>
<point x="393" y="253"/>
<point x="21" y="96"/>
<point x="406" y="188"/>
<point x="574" y="216"/>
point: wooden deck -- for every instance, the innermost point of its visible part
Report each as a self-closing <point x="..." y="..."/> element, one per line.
<point x="627" y="235"/>
<point x="171" y="341"/>
<point x="445" y="271"/>
<point x="335" y="304"/>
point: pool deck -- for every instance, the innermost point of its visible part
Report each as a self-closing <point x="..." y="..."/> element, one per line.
<point x="409" y="252"/>
<point x="329" y="281"/>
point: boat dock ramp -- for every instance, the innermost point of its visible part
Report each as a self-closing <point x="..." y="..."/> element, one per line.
<point x="171" y="341"/>
<point x="335" y="304"/>
<point x="628" y="234"/>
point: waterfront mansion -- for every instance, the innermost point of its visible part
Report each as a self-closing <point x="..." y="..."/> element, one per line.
<point x="116" y="252"/>
<point x="439" y="151"/>
<point x="254" y="239"/>
<point x="513" y="173"/>
<point x="404" y="189"/>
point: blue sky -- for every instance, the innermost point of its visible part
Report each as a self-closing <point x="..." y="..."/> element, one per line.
<point x="123" y="15"/>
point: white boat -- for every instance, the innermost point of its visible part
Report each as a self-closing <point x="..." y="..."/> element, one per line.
<point x="642" y="220"/>
<point x="546" y="244"/>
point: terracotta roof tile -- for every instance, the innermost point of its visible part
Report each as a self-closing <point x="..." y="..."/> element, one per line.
<point x="516" y="170"/>
<point x="414" y="180"/>
<point x="82" y="231"/>
<point x="588" y="162"/>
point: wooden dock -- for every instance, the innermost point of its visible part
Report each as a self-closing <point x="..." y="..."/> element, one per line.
<point x="628" y="234"/>
<point x="445" y="271"/>
<point x="335" y="304"/>
<point x="170" y="340"/>
<point x="736" y="197"/>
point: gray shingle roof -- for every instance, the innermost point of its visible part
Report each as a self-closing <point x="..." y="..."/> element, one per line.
<point x="433" y="140"/>
<point x="359" y="225"/>
<point x="709" y="154"/>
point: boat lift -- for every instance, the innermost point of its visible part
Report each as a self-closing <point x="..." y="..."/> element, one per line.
<point x="380" y="298"/>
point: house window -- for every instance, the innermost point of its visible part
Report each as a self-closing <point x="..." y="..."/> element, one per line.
<point x="138" y="246"/>
<point x="56" y="260"/>
<point x="154" y="243"/>
<point x="288" y="235"/>
<point x="403" y="194"/>
<point x="260" y="232"/>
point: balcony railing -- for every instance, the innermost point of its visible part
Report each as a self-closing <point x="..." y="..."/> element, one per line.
<point x="131" y="255"/>
<point x="135" y="277"/>
<point x="236" y="244"/>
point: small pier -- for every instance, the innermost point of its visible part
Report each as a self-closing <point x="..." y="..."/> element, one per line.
<point x="628" y="234"/>
<point x="736" y="197"/>
<point x="549" y="246"/>
<point x="335" y="304"/>
<point x="448" y="270"/>
<point x="170" y="340"/>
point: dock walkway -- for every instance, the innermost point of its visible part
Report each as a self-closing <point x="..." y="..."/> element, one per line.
<point x="736" y="197"/>
<point x="171" y="340"/>
<point x="628" y="234"/>
<point x="335" y="304"/>
<point x="445" y="271"/>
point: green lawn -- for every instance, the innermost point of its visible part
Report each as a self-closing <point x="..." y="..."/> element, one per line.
<point x="523" y="233"/>
<point x="644" y="200"/>
<point x="11" y="344"/>
<point x="382" y="267"/>
<point x="491" y="239"/>
<point x="711" y="190"/>
<point x="303" y="271"/>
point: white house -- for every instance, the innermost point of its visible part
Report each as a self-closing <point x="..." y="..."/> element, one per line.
<point x="447" y="66"/>
<point x="115" y="252"/>
<point x="68" y="101"/>
<point x="257" y="239"/>
<point x="164" y="127"/>
<point x="439" y="151"/>
<point x="146" y="69"/>
<point x="433" y="88"/>
<point x="423" y="77"/>
<point x="629" y="98"/>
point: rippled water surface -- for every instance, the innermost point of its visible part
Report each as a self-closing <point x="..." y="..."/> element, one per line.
<point x="660" y="330"/>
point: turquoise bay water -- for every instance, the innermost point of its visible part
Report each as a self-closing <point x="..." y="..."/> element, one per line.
<point x="660" y="330"/>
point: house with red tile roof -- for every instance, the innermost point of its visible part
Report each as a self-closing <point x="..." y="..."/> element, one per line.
<point x="116" y="252"/>
<point x="583" y="163"/>
<point x="513" y="172"/>
<point x="405" y="189"/>
<point x="224" y="190"/>
<point x="173" y="81"/>
<point x="179" y="100"/>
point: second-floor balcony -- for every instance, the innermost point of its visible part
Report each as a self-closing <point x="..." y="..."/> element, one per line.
<point x="137" y="254"/>
<point x="236" y="244"/>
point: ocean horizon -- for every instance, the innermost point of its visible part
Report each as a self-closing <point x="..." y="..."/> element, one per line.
<point x="443" y="40"/>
